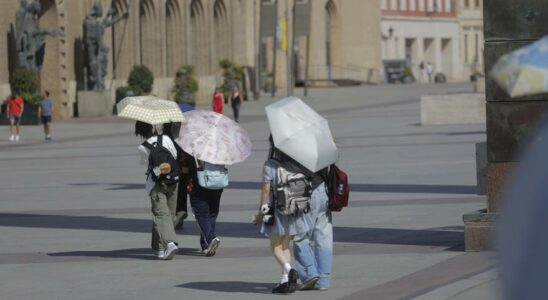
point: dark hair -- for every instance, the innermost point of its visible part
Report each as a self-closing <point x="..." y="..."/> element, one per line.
<point x="143" y="129"/>
<point x="47" y="93"/>
<point x="275" y="153"/>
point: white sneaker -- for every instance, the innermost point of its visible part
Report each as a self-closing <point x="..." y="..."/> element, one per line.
<point x="12" y="137"/>
<point x="210" y="251"/>
<point x="160" y="254"/>
<point x="170" y="251"/>
<point x="17" y="138"/>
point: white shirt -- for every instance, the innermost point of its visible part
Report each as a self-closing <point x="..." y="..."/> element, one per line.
<point x="168" y="144"/>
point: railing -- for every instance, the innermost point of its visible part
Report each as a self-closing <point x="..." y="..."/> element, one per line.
<point x="348" y="72"/>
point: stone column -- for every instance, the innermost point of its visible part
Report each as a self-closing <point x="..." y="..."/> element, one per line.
<point x="508" y="25"/>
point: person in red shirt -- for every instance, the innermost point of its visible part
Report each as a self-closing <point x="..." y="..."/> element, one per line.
<point x="218" y="100"/>
<point x="14" y="112"/>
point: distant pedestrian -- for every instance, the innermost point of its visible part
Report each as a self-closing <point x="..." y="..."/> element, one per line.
<point x="14" y="112"/>
<point x="45" y="111"/>
<point x="283" y="227"/>
<point x="236" y="101"/>
<point x="315" y="260"/>
<point x="423" y="73"/>
<point x="429" y="71"/>
<point x="218" y="99"/>
<point x="163" y="197"/>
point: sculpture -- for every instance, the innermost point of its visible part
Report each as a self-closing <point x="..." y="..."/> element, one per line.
<point x="30" y="38"/>
<point x="96" y="49"/>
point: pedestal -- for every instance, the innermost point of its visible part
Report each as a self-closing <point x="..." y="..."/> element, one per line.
<point x="95" y="104"/>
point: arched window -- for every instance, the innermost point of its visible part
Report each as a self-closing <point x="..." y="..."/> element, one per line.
<point x="122" y="55"/>
<point x="174" y="37"/>
<point x="198" y="38"/>
<point x="222" y="33"/>
<point x="149" y="45"/>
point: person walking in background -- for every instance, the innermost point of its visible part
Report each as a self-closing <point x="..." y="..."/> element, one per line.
<point x="183" y="160"/>
<point x="284" y="227"/>
<point x="45" y="111"/>
<point x="429" y="71"/>
<point x="163" y="197"/>
<point x="218" y="99"/>
<point x="314" y="261"/>
<point x="14" y="112"/>
<point x="236" y="101"/>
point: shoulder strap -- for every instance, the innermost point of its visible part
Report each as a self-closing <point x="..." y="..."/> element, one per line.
<point x="147" y="145"/>
<point x="160" y="140"/>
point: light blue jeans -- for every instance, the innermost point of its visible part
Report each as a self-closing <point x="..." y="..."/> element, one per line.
<point x="316" y="259"/>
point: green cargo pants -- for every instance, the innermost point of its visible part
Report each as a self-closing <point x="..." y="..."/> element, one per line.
<point x="164" y="204"/>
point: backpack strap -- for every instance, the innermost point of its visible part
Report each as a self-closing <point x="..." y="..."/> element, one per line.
<point x="160" y="140"/>
<point x="147" y="145"/>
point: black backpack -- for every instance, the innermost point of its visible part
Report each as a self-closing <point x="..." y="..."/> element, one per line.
<point x="162" y="166"/>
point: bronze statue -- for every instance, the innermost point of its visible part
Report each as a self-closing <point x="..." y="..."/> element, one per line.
<point x="30" y="38"/>
<point x="97" y="51"/>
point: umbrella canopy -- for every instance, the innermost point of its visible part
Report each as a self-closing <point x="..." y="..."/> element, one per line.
<point x="214" y="138"/>
<point x="301" y="133"/>
<point x="185" y="106"/>
<point x="150" y="109"/>
<point x="524" y="71"/>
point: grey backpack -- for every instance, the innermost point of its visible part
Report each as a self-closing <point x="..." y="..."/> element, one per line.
<point x="293" y="190"/>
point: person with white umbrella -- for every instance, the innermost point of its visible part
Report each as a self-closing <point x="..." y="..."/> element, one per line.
<point x="284" y="226"/>
<point x="163" y="196"/>
<point x="213" y="140"/>
<point x="305" y="136"/>
<point x="159" y="154"/>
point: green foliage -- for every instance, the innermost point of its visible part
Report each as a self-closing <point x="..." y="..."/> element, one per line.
<point x="127" y="91"/>
<point x="440" y="78"/>
<point x="407" y="72"/>
<point x="23" y="81"/>
<point x="141" y="77"/>
<point x="233" y="74"/>
<point x="31" y="98"/>
<point x="185" y="80"/>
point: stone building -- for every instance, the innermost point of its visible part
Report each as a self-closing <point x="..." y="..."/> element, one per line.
<point x="471" y="27"/>
<point x="422" y="31"/>
<point x="165" y="34"/>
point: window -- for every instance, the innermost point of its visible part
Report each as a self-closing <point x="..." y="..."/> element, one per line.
<point x="448" y="7"/>
<point x="478" y="4"/>
<point x="466" y="3"/>
<point x="421" y="5"/>
<point x="393" y="4"/>
<point x="413" y="5"/>
<point x="403" y="4"/>
<point x="384" y="5"/>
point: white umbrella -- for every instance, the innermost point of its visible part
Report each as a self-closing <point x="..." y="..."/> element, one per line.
<point x="150" y="109"/>
<point x="302" y="133"/>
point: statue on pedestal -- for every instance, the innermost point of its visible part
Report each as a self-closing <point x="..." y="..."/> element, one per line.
<point x="30" y="38"/>
<point x="96" y="49"/>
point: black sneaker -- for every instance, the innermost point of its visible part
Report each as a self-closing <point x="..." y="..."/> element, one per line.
<point x="292" y="276"/>
<point x="282" y="288"/>
<point x="309" y="284"/>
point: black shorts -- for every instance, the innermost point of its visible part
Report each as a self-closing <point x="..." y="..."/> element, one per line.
<point x="46" y="119"/>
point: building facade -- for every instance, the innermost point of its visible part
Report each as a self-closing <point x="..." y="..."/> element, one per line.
<point x="422" y="31"/>
<point x="471" y="27"/>
<point x="165" y="34"/>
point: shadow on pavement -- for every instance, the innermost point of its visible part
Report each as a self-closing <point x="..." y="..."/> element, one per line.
<point x="137" y="253"/>
<point x="439" y="237"/>
<point x="230" y="286"/>
<point x="372" y="187"/>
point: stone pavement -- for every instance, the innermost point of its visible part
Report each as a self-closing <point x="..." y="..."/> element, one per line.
<point x="75" y="220"/>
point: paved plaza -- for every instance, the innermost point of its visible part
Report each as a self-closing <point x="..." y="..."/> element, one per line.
<point x="76" y="222"/>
